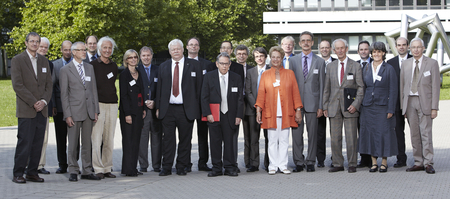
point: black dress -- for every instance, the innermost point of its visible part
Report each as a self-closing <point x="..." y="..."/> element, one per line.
<point x="131" y="104"/>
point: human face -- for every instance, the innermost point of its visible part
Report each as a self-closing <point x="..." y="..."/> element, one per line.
<point x="176" y="51"/>
<point x="226" y="47"/>
<point x="402" y="47"/>
<point x="325" y="49"/>
<point x="79" y="53"/>
<point x="340" y="50"/>
<point x="106" y="49"/>
<point x="33" y="43"/>
<point x="132" y="60"/>
<point x="223" y="64"/>
<point x="377" y="55"/>
<point x="306" y="43"/>
<point x="146" y="57"/>
<point x="92" y="45"/>
<point x="276" y="59"/>
<point x="65" y="50"/>
<point x="43" y="48"/>
<point x="193" y="47"/>
<point x="417" y="49"/>
<point x="241" y="56"/>
<point x="363" y="51"/>
<point x="260" y="58"/>
<point x="287" y="47"/>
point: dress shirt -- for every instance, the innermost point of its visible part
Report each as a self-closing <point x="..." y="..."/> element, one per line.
<point x="90" y="56"/>
<point x="179" y="98"/>
<point x="220" y="80"/>
<point x="400" y="61"/>
<point x="82" y="67"/>
<point x="33" y="62"/>
<point x="196" y="58"/>
<point x="362" y="61"/>
<point x="329" y="60"/>
<point x="309" y="60"/>
<point x="339" y="69"/>
<point x="285" y="58"/>
<point x="375" y="72"/>
<point x="66" y="62"/>
<point x="412" y="75"/>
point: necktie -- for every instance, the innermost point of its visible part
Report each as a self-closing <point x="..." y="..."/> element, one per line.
<point x="287" y="63"/>
<point x="147" y="70"/>
<point x="80" y="71"/>
<point x="175" y="89"/>
<point x="223" y="92"/>
<point x="415" y="78"/>
<point x="259" y="77"/>
<point x="342" y="71"/>
<point x="305" y="67"/>
<point x="364" y="64"/>
<point x="93" y="58"/>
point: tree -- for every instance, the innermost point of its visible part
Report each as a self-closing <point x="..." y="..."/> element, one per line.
<point x="10" y="16"/>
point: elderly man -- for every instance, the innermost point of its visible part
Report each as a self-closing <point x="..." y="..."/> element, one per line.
<point x="419" y="90"/>
<point x="342" y="74"/>
<point x="32" y="82"/>
<point x="103" y="133"/>
<point x="91" y="54"/>
<point x="287" y="44"/>
<point x="177" y="105"/>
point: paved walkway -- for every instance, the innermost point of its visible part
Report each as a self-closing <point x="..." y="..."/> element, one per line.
<point x="396" y="183"/>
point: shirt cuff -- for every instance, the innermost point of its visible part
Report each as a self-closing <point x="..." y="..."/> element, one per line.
<point x="45" y="102"/>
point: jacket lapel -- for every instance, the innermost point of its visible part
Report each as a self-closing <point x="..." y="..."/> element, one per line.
<point x="74" y="71"/>
<point x="422" y="68"/>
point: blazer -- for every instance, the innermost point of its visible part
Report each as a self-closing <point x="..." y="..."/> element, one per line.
<point x="251" y="90"/>
<point x="130" y="103"/>
<point x="394" y="63"/>
<point x="149" y="84"/>
<point x="384" y="91"/>
<point x="311" y="88"/>
<point x="29" y="88"/>
<point x="268" y="96"/>
<point x="235" y="67"/>
<point x="428" y="86"/>
<point x="87" y="57"/>
<point x="333" y="93"/>
<point x="57" y="65"/>
<point x="78" y="101"/>
<point x="211" y="94"/>
<point x="190" y="86"/>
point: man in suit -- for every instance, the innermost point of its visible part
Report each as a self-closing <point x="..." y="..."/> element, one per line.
<point x="60" y="124"/>
<point x="251" y="93"/>
<point x="227" y="47"/>
<point x="419" y="90"/>
<point x="401" y="44"/>
<point x="287" y="44"/>
<point x="177" y="105"/>
<point x="152" y="125"/>
<point x="80" y="106"/>
<point x="325" y="51"/>
<point x="224" y="88"/>
<point x="342" y="73"/>
<point x="309" y="70"/>
<point x="32" y="82"/>
<point x="193" y="47"/>
<point x="91" y="54"/>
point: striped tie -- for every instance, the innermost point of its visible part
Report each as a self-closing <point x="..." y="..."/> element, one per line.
<point x="80" y="72"/>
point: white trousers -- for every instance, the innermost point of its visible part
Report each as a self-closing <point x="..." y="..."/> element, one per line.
<point x="278" y="147"/>
<point x="103" y="133"/>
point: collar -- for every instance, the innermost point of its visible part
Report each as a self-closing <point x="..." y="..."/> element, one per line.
<point x="292" y="54"/>
<point x="76" y="63"/>
<point x="180" y="61"/>
<point x="31" y="56"/>
<point x="308" y="55"/>
<point x="196" y="58"/>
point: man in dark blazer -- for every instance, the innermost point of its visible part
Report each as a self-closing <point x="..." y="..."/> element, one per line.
<point x="80" y="106"/>
<point x="177" y="105"/>
<point x="193" y="47"/>
<point x="152" y="125"/>
<point x="227" y="47"/>
<point x="309" y="70"/>
<point x="32" y="82"/>
<point x="91" y="44"/>
<point x="224" y="88"/>
<point x="401" y="44"/>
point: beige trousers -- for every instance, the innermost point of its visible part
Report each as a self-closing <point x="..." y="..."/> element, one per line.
<point x="103" y="133"/>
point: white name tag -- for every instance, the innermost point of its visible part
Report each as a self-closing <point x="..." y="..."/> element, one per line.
<point x="44" y="70"/>
<point x="110" y="75"/>
<point x="193" y="74"/>
<point x="234" y="89"/>
<point x="427" y="73"/>
<point x="132" y="82"/>
<point x="349" y="77"/>
<point x="87" y="78"/>
<point x="155" y="79"/>
<point x="276" y="84"/>
<point x="378" y="78"/>
<point x="204" y="72"/>
<point x="316" y="71"/>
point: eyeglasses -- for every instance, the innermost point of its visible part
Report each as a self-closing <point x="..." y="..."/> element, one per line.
<point x="242" y="54"/>
<point x="134" y="57"/>
<point x="34" y="41"/>
<point x="84" y="50"/>
<point x="224" y="63"/>
<point x="193" y="45"/>
<point x="416" y="47"/>
<point x="225" y="48"/>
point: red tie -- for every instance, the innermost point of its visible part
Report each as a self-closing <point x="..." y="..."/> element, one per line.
<point x="342" y="71"/>
<point x="175" y="89"/>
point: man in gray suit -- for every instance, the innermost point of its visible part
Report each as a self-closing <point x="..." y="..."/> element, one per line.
<point x="343" y="73"/>
<point x="419" y="98"/>
<point x="309" y="70"/>
<point x="80" y="106"/>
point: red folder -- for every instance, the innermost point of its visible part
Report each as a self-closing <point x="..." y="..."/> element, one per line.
<point x="215" y="111"/>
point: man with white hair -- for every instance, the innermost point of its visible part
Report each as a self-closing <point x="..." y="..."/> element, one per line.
<point x="287" y="44"/>
<point x="177" y="105"/>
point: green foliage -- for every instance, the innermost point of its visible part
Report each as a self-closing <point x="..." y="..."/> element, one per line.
<point x="10" y="16"/>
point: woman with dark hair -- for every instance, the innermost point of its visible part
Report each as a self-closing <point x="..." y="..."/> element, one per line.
<point x="377" y="133"/>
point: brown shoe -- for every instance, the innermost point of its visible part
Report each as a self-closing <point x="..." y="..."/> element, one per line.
<point x="352" y="169"/>
<point x="109" y="175"/>
<point x="35" y="178"/>
<point x="430" y="169"/>
<point x="336" y="169"/>
<point x="19" y="180"/>
<point x="100" y="175"/>
<point x="415" y="168"/>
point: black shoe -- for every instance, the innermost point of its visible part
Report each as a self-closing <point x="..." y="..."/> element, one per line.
<point x="139" y="173"/>
<point x="73" y="177"/>
<point x="43" y="171"/>
<point x="310" y="168"/>
<point x="181" y="172"/>
<point x="61" y="171"/>
<point x="214" y="174"/>
<point x="143" y="170"/>
<point x="374" y="168"/>
<point x="131" y="175"/>
<point x="230" y="173"/>
<point x="204" y="168"/>
<point x="399" y="164"/>
<point x="383" y="168"/>
<point x="298" y="168"/>
<point x="248" y="166"/>
<point x="363" y="164"/>
<point x="187" y="169"/>
<point x="157" y="170"/>
<point x="165" y="172"/>
<point x="320" y="164"/>
<point x="19" y="180"/>
<point x="336" y="169"/>
<point x="35" y="178"/>
<point x="252" y="169"/>
<point x="90" y="177"/>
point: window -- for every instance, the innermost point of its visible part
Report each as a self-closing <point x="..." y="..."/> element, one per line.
<point x="339" y="3"/>
<point x="367" y="38"/>
<point x="299" y="4"/>
<point x="353" y="3"/>
<point x="312" y="3"/>
<point x="327" y="3"/>
<point x="353" y="42"/>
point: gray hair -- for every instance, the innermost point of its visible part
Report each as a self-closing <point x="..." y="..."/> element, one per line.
<point x="241" y="47"/>
<point x="175" y="42"/>
<point x="307" y="33"/>
<point x="100" y="43"/>
<point x="417" y="39"/>
<point x="378" y="45"/>
<point x="146" y="48"/>
<point x="223" y="54"/>
<point x="34" y="34"/>
<point x="127" y="54"/>
<point x="74" y="45"/>
<point x="288" y="38"/>
<point x="340" y="39"/>
<point x="45" y="40"/>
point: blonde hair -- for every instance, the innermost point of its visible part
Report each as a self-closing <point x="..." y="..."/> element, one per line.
<point x="127" y="54"/>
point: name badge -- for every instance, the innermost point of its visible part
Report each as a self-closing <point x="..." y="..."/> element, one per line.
<point x="427" y="73"/>
<point x="204" y="72"/>
<point x="349" y="77"/>
<point x="193" y="74"/>
<point x="87" y="78"/>
<point x="276" y="84"/>
<point x="155" y="79"/>
<point x="132" y="82"/>
<point x="378" y="78"/>
<point x="316" y="71"/>
<point x="44" y="70"/>
<point x="110" y="75"/>
<point x="234" y="89"/>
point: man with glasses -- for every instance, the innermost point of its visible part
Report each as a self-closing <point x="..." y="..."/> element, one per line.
<point x="91" y="43"/>
<point x="287" y="44"/>
<point x="227" y="47"/>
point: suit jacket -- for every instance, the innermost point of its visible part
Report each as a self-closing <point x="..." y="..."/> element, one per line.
<point x="311" y="88"/>
<point x="211" y="94"/>
<point x="87" y="57"/>
<point x="333" y="93"/>
<point x="29" y="88"/>
<point x="235" y="67"/>
<point x="130" y="103"/>
<point x="190" y="86"/>
<point x="50" y="104"/>
<point x="428" y="86"/>
<point x="394" y="63"/>
<point x="78" y="101"/>
<point x="150" y="84"/>
<point x="251" y="90"/>
<point x="383" y="92"/>
<point x="57" y="65"/>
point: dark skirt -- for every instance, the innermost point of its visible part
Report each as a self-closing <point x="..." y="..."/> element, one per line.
<point x="131" y="136"/>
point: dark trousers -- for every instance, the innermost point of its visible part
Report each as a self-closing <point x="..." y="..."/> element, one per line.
<point x="151" y="130"/>
<point x="131" y="136"/>
<point x="252" y="131"/>
<point x="366" y="159"/>
<point x="30" y="138"/>
<point x="203" y="149"/>
<point x="176" y="117"/>
<point x="321" y="139"/>
<point x="400" y="132"/>
<point x="61" y="140"/>
<point x="221" y="132"/>
<point x="266" y="147"/>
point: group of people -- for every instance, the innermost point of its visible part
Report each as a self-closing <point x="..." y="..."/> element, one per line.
<point x="370" y="98"/>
